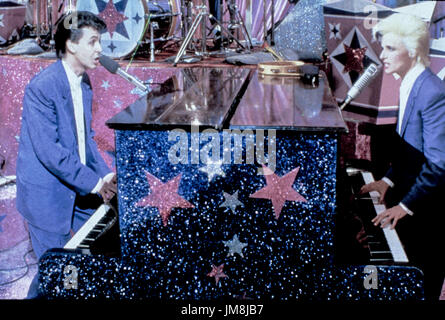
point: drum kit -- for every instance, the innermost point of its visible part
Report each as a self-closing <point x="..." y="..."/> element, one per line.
<point x="152" y="24"/>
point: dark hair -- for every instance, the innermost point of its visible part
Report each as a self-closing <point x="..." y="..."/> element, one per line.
<point x="69" y="27"/>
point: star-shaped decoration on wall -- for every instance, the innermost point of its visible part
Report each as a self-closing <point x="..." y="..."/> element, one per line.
<point x="334" y="31"/>
<point x="354" y="59"/>
<point x="1" y="20"/>
<point x="352" y="56"/>
<point x="235" y="246"/>
<point x="113" y="16"/>
<point x="117" y="104"/>
<point x="217" y="272"/>
<point x="164" y="196"/>
<point x="213" y="168"/>
<point x="105" y="84"/>
<point x="2" y="217"/>
<point x="231" y="201"/>
<point x="279" y="189"/>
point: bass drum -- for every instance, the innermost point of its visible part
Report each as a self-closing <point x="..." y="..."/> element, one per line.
<point x="127" y="22"/>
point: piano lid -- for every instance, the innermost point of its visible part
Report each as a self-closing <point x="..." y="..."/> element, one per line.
<point x="193" y="96"/>
<point x="233" y="98"/>
<point x="288" y="104"/>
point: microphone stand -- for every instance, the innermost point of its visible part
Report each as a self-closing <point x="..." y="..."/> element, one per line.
<point x="201" y="18"/>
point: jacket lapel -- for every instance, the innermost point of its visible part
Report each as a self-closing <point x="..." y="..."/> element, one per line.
<point x="412" y="99"/>
<point x="66" y="96"/>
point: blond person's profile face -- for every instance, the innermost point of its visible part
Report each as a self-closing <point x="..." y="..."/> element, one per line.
<point x="395" y="56"/>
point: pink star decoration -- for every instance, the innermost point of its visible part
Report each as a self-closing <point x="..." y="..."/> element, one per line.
<point x="279" y="189"/>
<point x="112" y="17"/>
<point x="164" y="196"/>
<point x="217" y="272"/>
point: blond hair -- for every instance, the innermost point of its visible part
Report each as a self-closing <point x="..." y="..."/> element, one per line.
<point x="413" y="31"/>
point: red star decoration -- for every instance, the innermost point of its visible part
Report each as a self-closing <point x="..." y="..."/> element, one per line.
<point x="279" y="189"/>
<point x="354" y="59"/>
<point x="217" y="272"/>
<point x="164" y="196"/>
<point x="112" y="17"/>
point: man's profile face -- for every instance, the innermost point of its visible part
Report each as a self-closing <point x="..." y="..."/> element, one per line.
<point x="395" y="56"/>
<point x="87" y="49"/>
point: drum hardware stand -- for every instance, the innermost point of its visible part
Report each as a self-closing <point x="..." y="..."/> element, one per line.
<point x="236" y="21"/>
<point x="52" y="43"/>
<point x="153" y="25"/>
<point x="186" y="16"/>
<point x="272" y="36"/>
<point x="203" y="14"/>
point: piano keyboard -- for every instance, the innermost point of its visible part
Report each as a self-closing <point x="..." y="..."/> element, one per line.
<point x="100" y="222"/>
<point x="381" y="249"/>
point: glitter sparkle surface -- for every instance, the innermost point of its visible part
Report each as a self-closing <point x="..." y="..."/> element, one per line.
<point x="211" y="252"/>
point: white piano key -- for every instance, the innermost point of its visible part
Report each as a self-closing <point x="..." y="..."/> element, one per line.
<point x="91" y="223"/>
<point x="391" y="235"/>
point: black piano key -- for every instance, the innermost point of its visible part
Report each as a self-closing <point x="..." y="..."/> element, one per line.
<point x="381" y="257"/>
<point x="97" y="230"/>
<point x="356" y="183"/>
<point x="378" y="246"/>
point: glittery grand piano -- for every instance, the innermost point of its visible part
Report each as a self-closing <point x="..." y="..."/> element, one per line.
<point x="226" y="188"/>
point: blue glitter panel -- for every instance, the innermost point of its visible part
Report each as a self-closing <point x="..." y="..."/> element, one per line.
<point x="176" y="258"/>
<point x="71" y="275"/>
<point x="198" y="222"/>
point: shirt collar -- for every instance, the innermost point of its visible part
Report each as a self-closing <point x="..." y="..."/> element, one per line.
<point x="72" y="77"/>
<point x="412" y="76"/>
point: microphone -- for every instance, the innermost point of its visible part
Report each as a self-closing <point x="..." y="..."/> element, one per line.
<point x="113" y="67"/>
<point x="365" y="79"/>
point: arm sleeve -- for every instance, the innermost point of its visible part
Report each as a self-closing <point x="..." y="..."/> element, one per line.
<point x="62" y="162"/>
<point x="432" y="174"/>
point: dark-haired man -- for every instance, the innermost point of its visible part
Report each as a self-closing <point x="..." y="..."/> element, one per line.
<point x="61" y="176"/>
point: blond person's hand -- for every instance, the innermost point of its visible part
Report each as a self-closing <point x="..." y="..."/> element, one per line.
<point x="391" y="215"/>
<point x="380" y="186"/>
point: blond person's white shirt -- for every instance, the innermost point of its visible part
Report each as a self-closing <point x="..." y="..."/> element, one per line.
<point x="404" y="91"/>
<point x="76" y="93"/>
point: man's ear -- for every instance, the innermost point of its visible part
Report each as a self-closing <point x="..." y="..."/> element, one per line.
<point x="71" y="46"/>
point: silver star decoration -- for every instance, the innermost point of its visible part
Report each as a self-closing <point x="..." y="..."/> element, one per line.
<point x="117" y="103"/>
<point x="213" y="168"/>
<point x="231" y="201"/>
<point x="105" y="84"/>
<point x="334" y="31"/>
<point x="235" y="246"/>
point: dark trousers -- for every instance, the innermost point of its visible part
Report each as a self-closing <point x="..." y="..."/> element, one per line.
<point x="422" y="236"/>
